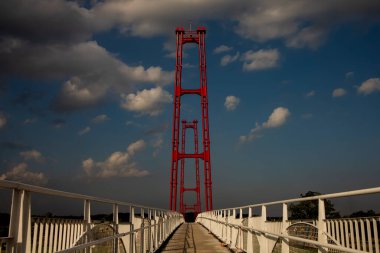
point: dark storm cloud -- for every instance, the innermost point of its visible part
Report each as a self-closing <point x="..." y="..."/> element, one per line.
<point x="47" y="21"/>
<point x="3" y="87"/>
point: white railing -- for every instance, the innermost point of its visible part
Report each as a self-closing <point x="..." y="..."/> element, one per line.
<point x="254" y="234"/>
<point x="143" y="233"/>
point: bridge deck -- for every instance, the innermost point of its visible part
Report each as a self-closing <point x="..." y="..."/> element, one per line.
<point x="193" y="238"/>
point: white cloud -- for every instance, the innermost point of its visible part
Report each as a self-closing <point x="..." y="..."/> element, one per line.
<point x="88" y="166"/>
<point x="369" y="86"/>
<point x="20" y="173"/>
<point x="96" y="72"/>
<point x="231" y="103"/>
<point x="84" y="131"/>
<point x="307" y="37"/>
<point x="147" y="101"/>
<point x="339" y="92"/>
<point x="278" y="118"/>
<point x="100" y="118"/>
<point x="262" y="59"/>
<point x="227" y="59"/>
<point x="3" y="120"/>
<point x="253" y="134"/>
<point x="310" y="94"/>
<point x="118" y="164"/>
<point x="222" y="49"/>
<point x="300" y="23"/>
<point x="89" y="70"/>
<point x="135" y="147"/>
<point x="32" y="155"/>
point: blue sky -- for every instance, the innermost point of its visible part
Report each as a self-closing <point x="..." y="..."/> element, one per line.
<point x="294" y="96"/>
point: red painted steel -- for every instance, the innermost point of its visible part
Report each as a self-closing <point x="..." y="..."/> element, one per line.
<point x="183" y="37"/>
<point x="197" y="205"/>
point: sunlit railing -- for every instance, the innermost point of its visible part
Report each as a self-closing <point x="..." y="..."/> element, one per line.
<point x="143" y="233"/>
<point x="255" y="234"/>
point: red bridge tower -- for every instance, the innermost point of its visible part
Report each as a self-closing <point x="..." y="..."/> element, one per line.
<point x="197" y="37"/>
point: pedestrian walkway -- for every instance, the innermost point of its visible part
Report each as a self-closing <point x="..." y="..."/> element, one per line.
<point x="193" y="238"/>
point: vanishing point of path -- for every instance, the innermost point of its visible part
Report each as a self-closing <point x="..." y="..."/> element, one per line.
<point x="193" y="238"/>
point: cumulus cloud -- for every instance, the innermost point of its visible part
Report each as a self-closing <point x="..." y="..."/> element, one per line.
<point x="21" y="173"/>
<point x="99" y="74"/>
<point x="89" y="71"/>
<point x="260" y="60"/>
<point x="369" y="86"/>
<point x="307" y="37"/>
<point x="147" y="101"/>
<point x="310" y="93"/>
<point x="3" y="120"/>
<point x="278" y="118"/>
<point x="33" y="155"/>
<point x="52" y="40"/>
<point x="100" y="118"/>
<point x="118" y="164"/>
<point x="222" y="49"/>
<point x="227" y="59"/>
<point x="231" y="103"/>
<point x="339" y="92"/>
<point x="300" y="23"/>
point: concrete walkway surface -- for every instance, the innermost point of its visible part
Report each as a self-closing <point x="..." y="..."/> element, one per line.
<point x="193" y="238"/>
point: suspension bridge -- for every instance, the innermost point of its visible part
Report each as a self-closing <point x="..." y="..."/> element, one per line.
<point x="149" y="229"/>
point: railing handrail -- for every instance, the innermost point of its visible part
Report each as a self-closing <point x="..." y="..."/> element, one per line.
<point x="42" y="190"/>
<point x="324" y="196"/>
<point x="281" y="235"/>
<point x="104" y="239"/>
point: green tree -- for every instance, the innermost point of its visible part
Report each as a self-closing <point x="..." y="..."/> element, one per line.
<point x="361" y="213"/>
<point x="309" y="209"/>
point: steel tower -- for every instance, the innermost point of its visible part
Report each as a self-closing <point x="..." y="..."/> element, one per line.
<point x="196" y="208"/>
<point x="197" y="37"/>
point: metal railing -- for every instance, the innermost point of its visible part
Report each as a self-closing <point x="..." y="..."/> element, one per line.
<point x="255" y="234"/>
<point x="144" y="233"/>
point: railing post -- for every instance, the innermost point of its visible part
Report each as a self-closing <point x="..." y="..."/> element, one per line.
<point x="155" y="230"/>
<point x="285" y="242"/>
<point x="240" y="231"/>
<point x="142" y="232"/>
<point x="132" y="235"/>
<point x="87" y="223"/>
<point x="150" y="230"/>
<point x="263" y="238"/>
<point x="249" y="233"/>
<point x="116" y="227"/>
<point x="20" y="222"/>
<point x="322" y="229"/>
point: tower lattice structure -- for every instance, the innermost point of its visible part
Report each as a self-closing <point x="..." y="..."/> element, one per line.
<point x="183" y="37"/>
<point x="196" y="207"/>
